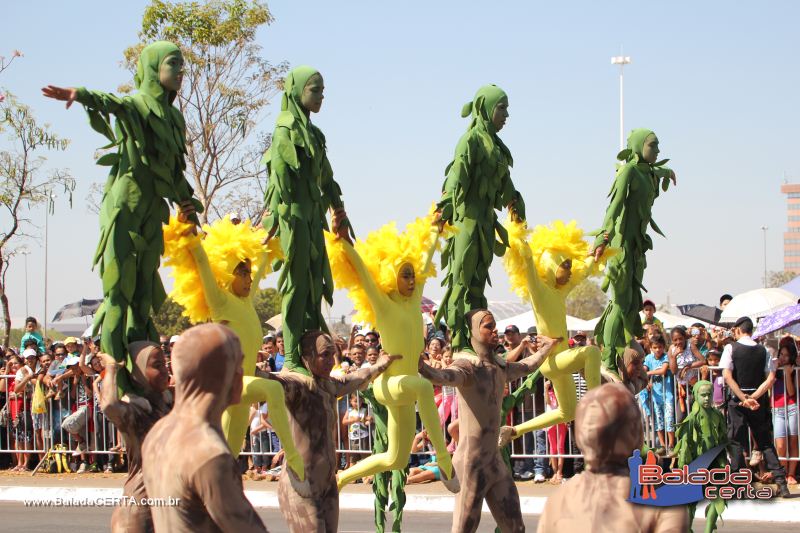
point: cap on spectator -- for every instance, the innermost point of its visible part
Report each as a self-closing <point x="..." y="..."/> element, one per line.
<point x="71" y="360"/>
<point x="69" y="340"/>
<point x="742" y="320"/>
<point x="58" y="343"/>
<point x="648" y="302"/>
<point x="511" y="328"/>
<point x="579" y="334"/>
<point x="96" y="339"/>
<point x="533" y="331"/>
<point x="30" y="352"/>
<point x="174" y="339"/>
<point x="268" y="337"/>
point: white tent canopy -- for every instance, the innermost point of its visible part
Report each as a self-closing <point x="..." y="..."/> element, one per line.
<point x="526" y="320"/>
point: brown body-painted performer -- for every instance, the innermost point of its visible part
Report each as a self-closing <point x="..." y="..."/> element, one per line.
<point x="185" y="455"/>
<point x="480" y="380"/>
<point x="134" y="417"/>
<point x="608" y="429"/>
<point x="313" y="418"/>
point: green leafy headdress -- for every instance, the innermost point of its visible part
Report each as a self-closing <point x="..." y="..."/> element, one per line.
<point x="481" y="108"/>
<point x="147" y="79"/>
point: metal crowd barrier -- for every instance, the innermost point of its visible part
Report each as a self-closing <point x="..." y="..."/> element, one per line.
<point x="36" y="434"/>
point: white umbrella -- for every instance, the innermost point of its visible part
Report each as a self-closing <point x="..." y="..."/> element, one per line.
<point x="756" y="304"/>
<point x="668" y="319"/>
<point x="527" y="320"/>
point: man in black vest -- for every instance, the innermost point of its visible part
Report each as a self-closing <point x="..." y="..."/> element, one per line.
<point x="749" y="372"/>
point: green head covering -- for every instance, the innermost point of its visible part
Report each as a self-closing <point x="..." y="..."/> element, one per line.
<point x="636" y="141"/>
<point x="293" y="87"/>
<point x="482" y="106"/>
<point x="147" y="79"/>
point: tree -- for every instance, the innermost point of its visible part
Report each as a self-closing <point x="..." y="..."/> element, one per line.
<point x="226" y="88"/>
<point x="779" y="278"/>
<point x="24" y="184"/>
<point x="586" y="300"/>
<point x="170" y="320"/>
<point x="268" y="304"/>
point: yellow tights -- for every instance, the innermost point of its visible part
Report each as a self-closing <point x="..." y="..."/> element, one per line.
<point x="559" y="369"/>
<point x="235" y="419"/>
<point x="399" y="394"/>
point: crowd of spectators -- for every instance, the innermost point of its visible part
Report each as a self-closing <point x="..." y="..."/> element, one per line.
<point x="64" y="374"/>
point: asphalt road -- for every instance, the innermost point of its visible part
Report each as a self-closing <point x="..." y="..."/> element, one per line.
<point x="97" y="519"/>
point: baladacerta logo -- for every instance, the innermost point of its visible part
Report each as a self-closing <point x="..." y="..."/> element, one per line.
<point x="652" y="485"/>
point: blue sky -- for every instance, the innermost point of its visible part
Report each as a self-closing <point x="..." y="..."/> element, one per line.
<point x="716" y="80"/>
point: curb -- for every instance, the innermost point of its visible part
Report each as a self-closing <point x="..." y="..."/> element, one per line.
<point x="750" y="511"/>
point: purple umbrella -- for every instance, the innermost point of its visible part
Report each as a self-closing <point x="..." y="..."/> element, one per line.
<point x="778" y="320"/>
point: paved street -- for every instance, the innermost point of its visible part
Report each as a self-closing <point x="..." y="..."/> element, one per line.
<point x="91" y="520"/>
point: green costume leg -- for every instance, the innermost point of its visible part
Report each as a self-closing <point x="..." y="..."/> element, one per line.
<point x="234" y="425"/>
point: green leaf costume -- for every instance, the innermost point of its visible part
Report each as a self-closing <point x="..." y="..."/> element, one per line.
<point x="385" y="483"/>
<point x="635" y="188"/>
<point x="146" y="172"/>
<point x="478" y="183"/>
<point x="702" y="430"/>
<point x="300" y="191"/>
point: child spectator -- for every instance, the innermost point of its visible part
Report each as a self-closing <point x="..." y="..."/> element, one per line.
<point x="661" y="389"/>
<point x="684" y="361"/>
<point x="32" y="332"/>
<point x="357" y="421"/>
<point x="556" y="437"/>
<point x="784" y="408"/>
<point x="714" y="375"/>
<point x="429" y="469"/>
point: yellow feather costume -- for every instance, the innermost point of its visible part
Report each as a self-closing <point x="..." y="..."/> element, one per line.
<point x="532" y="262"/>
<point x="369" y="271"/>
<point x="203" y="271"/>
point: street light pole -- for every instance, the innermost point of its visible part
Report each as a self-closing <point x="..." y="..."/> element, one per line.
<point x="764" y="229"/>
<point x="621" y="61"/>
<point x="48" y="205"/>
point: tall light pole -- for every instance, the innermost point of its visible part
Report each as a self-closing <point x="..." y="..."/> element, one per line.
<point x="621" y="61"/>
<point x="25" y="253"/>
<point x="48" y="207"/>
<point x="764" y="229"/>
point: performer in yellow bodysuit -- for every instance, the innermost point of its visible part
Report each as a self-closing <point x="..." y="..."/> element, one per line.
<point x="544" y="271"/>
<point x="213" y="280"/>
<point x="385" y="276"/>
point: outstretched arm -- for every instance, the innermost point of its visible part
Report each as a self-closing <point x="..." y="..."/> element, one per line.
<point x="532" y="362"/>
<point x="215" y="297"/>
<point x="430" y="251"/>
<point x="376" y="296"/>
<point x="262" y="268"/>
<point x="361" y="378"/>
<point x="455" y="375"/>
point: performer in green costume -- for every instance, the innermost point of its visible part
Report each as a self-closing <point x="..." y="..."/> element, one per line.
<point x="146" y="172"/>
<point x="388" y="483"/>
<point x="478" y="183"/>
<point x="635" y="188"/>
<point x="301" y="190"/>
<point x="702" y="430"/>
